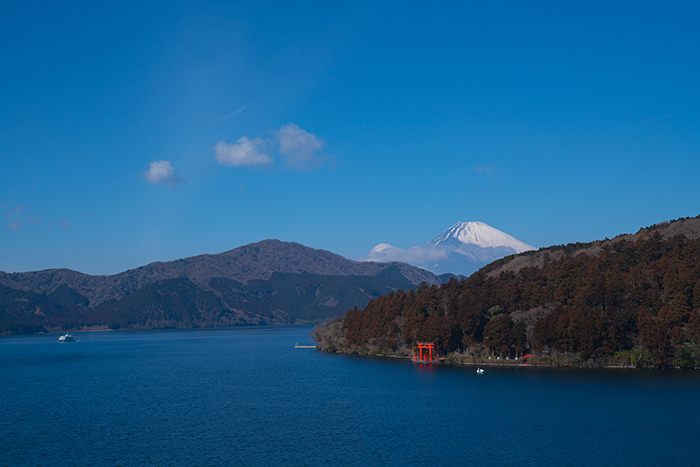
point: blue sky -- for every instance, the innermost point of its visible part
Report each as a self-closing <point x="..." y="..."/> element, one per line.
<point x="134" y="132"/>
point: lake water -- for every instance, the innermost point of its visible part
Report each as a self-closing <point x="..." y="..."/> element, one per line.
<point x="246" y="397"/>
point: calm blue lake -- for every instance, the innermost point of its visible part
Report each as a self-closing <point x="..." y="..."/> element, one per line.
<point x="247" y="397"/>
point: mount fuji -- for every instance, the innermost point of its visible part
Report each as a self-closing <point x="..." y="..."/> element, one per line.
<point x="462" y="249"/>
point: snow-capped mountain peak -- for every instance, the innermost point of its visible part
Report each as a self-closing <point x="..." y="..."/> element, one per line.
<point x="462" y="249"/>
<point x="479" y="234"/>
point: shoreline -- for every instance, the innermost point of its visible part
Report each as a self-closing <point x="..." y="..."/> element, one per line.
<point x="442" y="362"/>
<point x="106" y="329"/>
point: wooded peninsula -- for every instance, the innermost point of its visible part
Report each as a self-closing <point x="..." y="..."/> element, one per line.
<point x="633" y="301"/>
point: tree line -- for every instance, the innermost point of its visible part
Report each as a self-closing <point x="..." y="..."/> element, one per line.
<point x="641" y="296"/>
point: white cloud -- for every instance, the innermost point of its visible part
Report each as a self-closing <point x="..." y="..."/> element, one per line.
<point x="300" y="148"/>
<point x="245" y="152"/>
<point x="162" y="173"/>
<point x="414" y="255"/>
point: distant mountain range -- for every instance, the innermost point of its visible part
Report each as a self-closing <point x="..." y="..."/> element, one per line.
<point x="462" y="249"/>
<point x="269" y="282"/>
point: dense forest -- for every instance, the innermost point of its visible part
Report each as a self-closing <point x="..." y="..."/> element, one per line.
<point x="633" y="301"/>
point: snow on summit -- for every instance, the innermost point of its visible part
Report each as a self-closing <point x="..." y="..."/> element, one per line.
<point x="462" y="249"/>
<point x="480" y="234"/>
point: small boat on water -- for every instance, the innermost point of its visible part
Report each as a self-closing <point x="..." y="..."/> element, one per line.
<point x="66" y="338"/>
<point x="297" y="346"/>
<point x="480" y="370"/>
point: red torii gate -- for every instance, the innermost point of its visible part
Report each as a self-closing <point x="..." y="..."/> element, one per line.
<point x="429" y="346"/>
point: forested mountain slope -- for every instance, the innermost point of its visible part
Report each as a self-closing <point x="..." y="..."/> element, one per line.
<point x="256" y="261"/>
<point x="633" y="300"/>
<point x="269" y="282"/>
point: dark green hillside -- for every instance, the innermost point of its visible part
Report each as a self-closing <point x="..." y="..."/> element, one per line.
<point x="23" y="312"/>
<point x="446" y="277"/>
<point x="302" y="298"/>
<point x="268" y="282"/>
<point x="172" y="303"/>
<point x="392" y="272"/>
<point x="68" y="298"/>
<point x="285" y="298"/>
<point x="310" y="298"/>
<point x="630" y="302"/>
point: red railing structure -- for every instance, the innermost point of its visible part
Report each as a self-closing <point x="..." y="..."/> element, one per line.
<point x="429" y="346"/>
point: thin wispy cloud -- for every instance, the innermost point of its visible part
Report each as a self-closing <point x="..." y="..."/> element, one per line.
<point x="14" y="213"/>
<point x="295" y="147"/>
<point x="234" y="113"/>
<point x="490" y="170"/>
<point x="243" y="153"/>
<point x="16" y="216"/>
<point x="162" y="173"/>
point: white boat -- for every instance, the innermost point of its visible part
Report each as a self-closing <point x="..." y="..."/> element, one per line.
<point x="66" y="338"/>
<point x="297" y="346"/>
<point x="479" y="370"/>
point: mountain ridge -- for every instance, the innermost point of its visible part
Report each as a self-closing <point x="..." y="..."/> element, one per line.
<point x="248" y="262"/>
<point x="268" y="282"/>
<point x="686" y="226"/>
